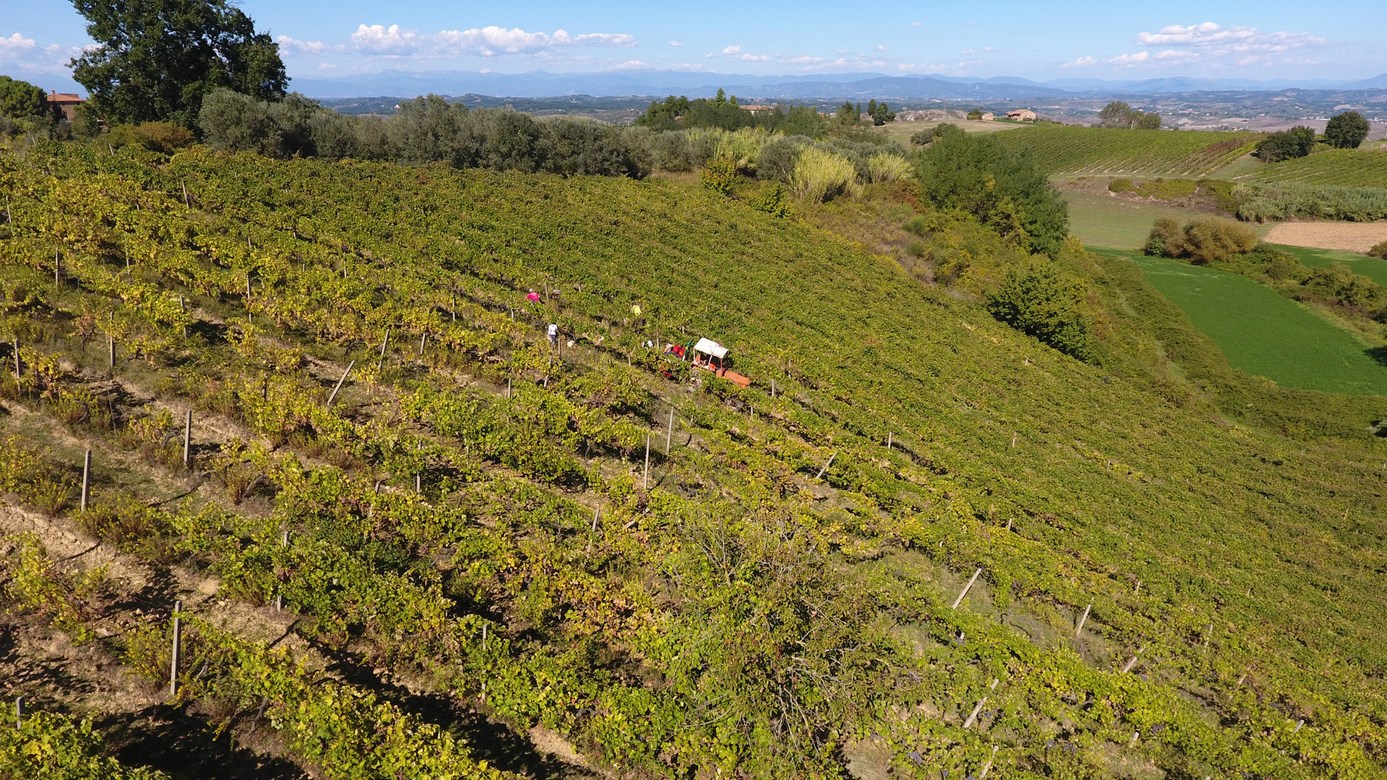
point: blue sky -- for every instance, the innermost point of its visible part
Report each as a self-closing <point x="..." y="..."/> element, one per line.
<point x="1269" y="39"/>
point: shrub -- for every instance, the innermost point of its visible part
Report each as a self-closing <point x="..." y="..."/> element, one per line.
<point x="1166" y="239"/>
<point x="163" y="137"/>
<point x="1276" y="264"/>
<point x="1203" y="240"/>
<point x="719" y="175"/>
<point x="887" y="168"/>
<point x="821" y="175"/>
<point x="1209" y="239"/>
<point x="672" y="151"/>
<point x="1037" y="301"/>
<point x="1379" y="250"/>
<point x="779" y="156"/>
<point x="1285" y="145"/>
<point x="1336" y="283"/>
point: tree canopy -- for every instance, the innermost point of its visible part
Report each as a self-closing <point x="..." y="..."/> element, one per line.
<point x="1120" y="114"/>
<point x="158" y="59"/>
<point x="21" y="100"/>
<point x="1285" y="145"/>
<point x="1346" y="130"/>
<point x="1001" y="187"/>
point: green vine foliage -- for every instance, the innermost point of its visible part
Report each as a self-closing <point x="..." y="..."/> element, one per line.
<point x="473" y="508"/>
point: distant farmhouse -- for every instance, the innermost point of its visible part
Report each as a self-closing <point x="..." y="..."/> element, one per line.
<point x="65" y="104"/>
<point x="1021" y="115"/>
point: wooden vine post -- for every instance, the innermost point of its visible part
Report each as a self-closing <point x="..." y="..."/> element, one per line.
<point x="188" y="439"/>
<point x="645" y="480"/>
<point x="977" y="708"/>
<point x="333" y="396"/>
<point x="383" y="344"/>
<point x="284" y="542"/>
<point x="966" y="588"/>
<point x="177" y="646"/>
<point x="1082" y="619"/>
<point x="669" y="433"/>
<point x="18" y="711"/>
<point x="820" y="475"/>
<point x="1133" y="661"/>
<point x="86" y="478"/>
<point x="17" y="374"/>
<point x="988" y="766"/>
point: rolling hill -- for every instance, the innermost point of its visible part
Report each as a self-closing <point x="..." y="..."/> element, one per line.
<point x="918" y="542"/>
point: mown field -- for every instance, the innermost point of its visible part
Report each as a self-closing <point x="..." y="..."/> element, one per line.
<point x="1265" y="334"/>
<point x="1104" y="221"/>
<point x="430" y="512"/>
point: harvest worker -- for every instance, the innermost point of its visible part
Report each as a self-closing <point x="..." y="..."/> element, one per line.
<point x="553" y="333"/>
<point x="533" y="297"/>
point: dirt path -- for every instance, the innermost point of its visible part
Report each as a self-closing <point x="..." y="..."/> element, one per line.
<point x="1345" y="236"/>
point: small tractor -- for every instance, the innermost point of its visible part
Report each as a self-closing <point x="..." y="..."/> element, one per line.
<point x="709" y="356"/>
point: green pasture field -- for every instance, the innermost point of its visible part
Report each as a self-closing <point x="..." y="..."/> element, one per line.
<point x="1372" y="267"/>
<point x="1265" y="334"/>
<point x="1116" y="223"/>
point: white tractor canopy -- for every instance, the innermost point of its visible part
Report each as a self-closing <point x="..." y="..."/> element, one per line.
<point x="710" y="347"/>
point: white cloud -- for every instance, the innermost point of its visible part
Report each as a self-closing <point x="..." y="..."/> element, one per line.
<point x="1228" y="40"/>
<point x="1177" y="55"/>
<point x="1135" y="58"/>
<point x="675" y="44"/>
<point x="292" y="46"/>
<point x="379" y="39"/>
<point x="1082" y="62"/>
<point x="15" y="43"/>
<point x="489" y="41"/>
<point x="732" y="51"/>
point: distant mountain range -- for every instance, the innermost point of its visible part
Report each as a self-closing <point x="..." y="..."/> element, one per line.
<point x="848" y="86"/>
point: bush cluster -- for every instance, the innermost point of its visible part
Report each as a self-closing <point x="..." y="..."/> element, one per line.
<point x="1285" y="145"/>
<point x="426" y="129"/>
<point x="1037" y="301"/>
<point x="999" y="186"/>
<point x="1202" y="240"/>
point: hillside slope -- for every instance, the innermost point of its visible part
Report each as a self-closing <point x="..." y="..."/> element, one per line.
<point x="776" y="599"/>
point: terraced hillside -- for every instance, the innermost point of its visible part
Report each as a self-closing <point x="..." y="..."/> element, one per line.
<point x="411" y="537"/>
<point x="1065" y="150"/>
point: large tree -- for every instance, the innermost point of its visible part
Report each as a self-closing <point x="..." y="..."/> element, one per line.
<point x="1120" y="114"/>
<point x="1346" y="130"/>
<point x="1001" y="187"/>
<point x="159" y="58"/>
<point x="21" y="100"/>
